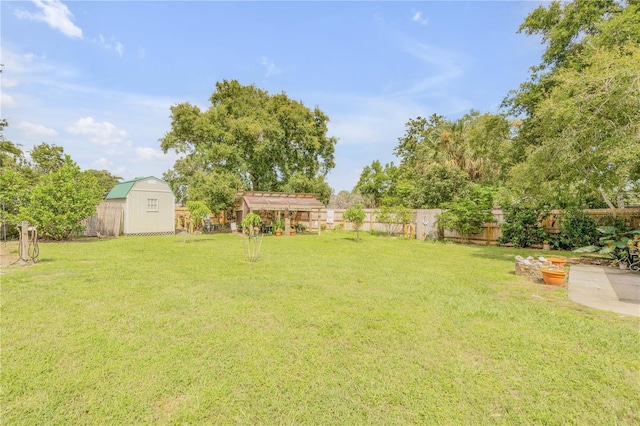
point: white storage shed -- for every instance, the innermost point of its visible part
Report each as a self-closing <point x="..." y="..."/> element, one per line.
<point x="148" y="206"/>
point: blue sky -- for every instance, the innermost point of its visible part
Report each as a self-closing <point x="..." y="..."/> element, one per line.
<point x="98" y="78"/>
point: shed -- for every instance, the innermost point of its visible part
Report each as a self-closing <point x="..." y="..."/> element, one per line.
<point x="148" y="206"/>
<point x="270" y="205"/>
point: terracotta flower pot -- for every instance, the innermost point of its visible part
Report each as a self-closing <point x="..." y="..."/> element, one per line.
<point x="278" y="232"/>
<point x="558" y="261"/>
<point x="552" y="277"/>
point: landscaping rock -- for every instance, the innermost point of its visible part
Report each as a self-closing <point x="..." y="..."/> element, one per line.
<point x="530" y="267"/>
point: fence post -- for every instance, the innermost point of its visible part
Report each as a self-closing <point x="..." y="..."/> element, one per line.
<point x="24" y="241"/>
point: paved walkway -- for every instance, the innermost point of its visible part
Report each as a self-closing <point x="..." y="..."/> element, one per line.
<point x="605" y="288"/>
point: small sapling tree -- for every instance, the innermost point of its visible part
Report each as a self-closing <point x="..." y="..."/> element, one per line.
<point x="253" y="242"/>
<point x="198" y="211"/>
<point x="355" y="214"/>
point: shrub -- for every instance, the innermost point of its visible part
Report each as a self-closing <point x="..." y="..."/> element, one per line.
<point x="618" y="222"/>
<point x="392" y="216"/>
<point x="61" y="200"/>
<point x="465" y="217"/>
<point x="521" y="227"/>
<point x="577" y="229"/>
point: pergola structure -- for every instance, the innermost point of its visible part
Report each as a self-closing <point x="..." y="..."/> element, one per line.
<point x="280" y="204"/>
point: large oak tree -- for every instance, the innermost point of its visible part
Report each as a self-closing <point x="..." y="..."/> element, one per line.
<point x="249" y="139"/>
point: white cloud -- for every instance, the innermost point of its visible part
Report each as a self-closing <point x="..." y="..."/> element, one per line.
<point x="102" y="164"/>
<point x="9" y="82"/>
<point x="417" y="17"/>
<point x="54" y="13"/>
<point x="375" y="120"/>
<point x="30" y="68"/>
<point x="6" y="100"/>
<point x="113" y="44"/>
<point x="36" y="131"/>
<point x="103" y="133"/>
<point x="270" y="66"/>
<point x="146" y="153"/>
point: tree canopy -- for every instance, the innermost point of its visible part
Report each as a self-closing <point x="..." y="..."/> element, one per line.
<point x="589" y="132"/>
<point x="251" y="140"/>
<point x="50" y="191"/>
<point x="440" y="158"/>
<point x="61" y="199"/>
<point x="578" y="144"/>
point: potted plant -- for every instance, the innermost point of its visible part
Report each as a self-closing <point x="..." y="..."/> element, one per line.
<point x="278" y="226"/>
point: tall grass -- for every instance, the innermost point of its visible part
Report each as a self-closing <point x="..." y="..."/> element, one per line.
<point x="321" y="330"/>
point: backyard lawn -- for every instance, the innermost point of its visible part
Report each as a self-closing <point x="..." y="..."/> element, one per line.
<point x="321" y="330"/>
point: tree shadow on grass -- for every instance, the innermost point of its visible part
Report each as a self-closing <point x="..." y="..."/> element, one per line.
<point x="354" y="239"/>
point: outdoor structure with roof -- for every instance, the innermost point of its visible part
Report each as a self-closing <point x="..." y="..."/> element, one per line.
<point x="297" y="209"/>
<point x="148" y="206"/>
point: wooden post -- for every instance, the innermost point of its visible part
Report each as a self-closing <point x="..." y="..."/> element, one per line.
<point x="24" y="241"/>
<point x="287" y="222"/>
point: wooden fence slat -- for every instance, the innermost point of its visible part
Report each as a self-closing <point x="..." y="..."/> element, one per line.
<point x="106" y="222"/>
<point x="424" y="222"/>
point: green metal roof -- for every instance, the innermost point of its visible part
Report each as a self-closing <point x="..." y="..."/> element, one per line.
<point x="122" y="189"/>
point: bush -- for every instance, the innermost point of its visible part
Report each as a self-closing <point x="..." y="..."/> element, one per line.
<point x="393" y="217"/>
<point x="577" y="229"/>
<point x="61" y="200"/>
<point x="521" y="227"/>
<point x="618" y="222"/>
<point x="466" y="216"/>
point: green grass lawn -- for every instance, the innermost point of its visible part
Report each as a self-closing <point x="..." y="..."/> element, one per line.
<point x="322" y="330"/>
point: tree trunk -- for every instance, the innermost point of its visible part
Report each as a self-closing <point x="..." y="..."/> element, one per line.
<point x="606" y="198"/>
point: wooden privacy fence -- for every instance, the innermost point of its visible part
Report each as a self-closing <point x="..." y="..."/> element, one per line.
<point x="107" y="222"/>
<point x="184" y="221"/>
<point x="423" y="223"/>
<point x="631" y="217"/>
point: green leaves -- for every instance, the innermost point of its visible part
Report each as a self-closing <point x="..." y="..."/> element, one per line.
<point x="522" y="226"/>
<point x="356" y="215"/>
<point x="614" y="242"/>
<point x="467" y="214"/>
<point x="198" y="211"/>
<point x="266" y="141"/>
<point x="61" y="199"/>
<point x="579" y="143"/>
